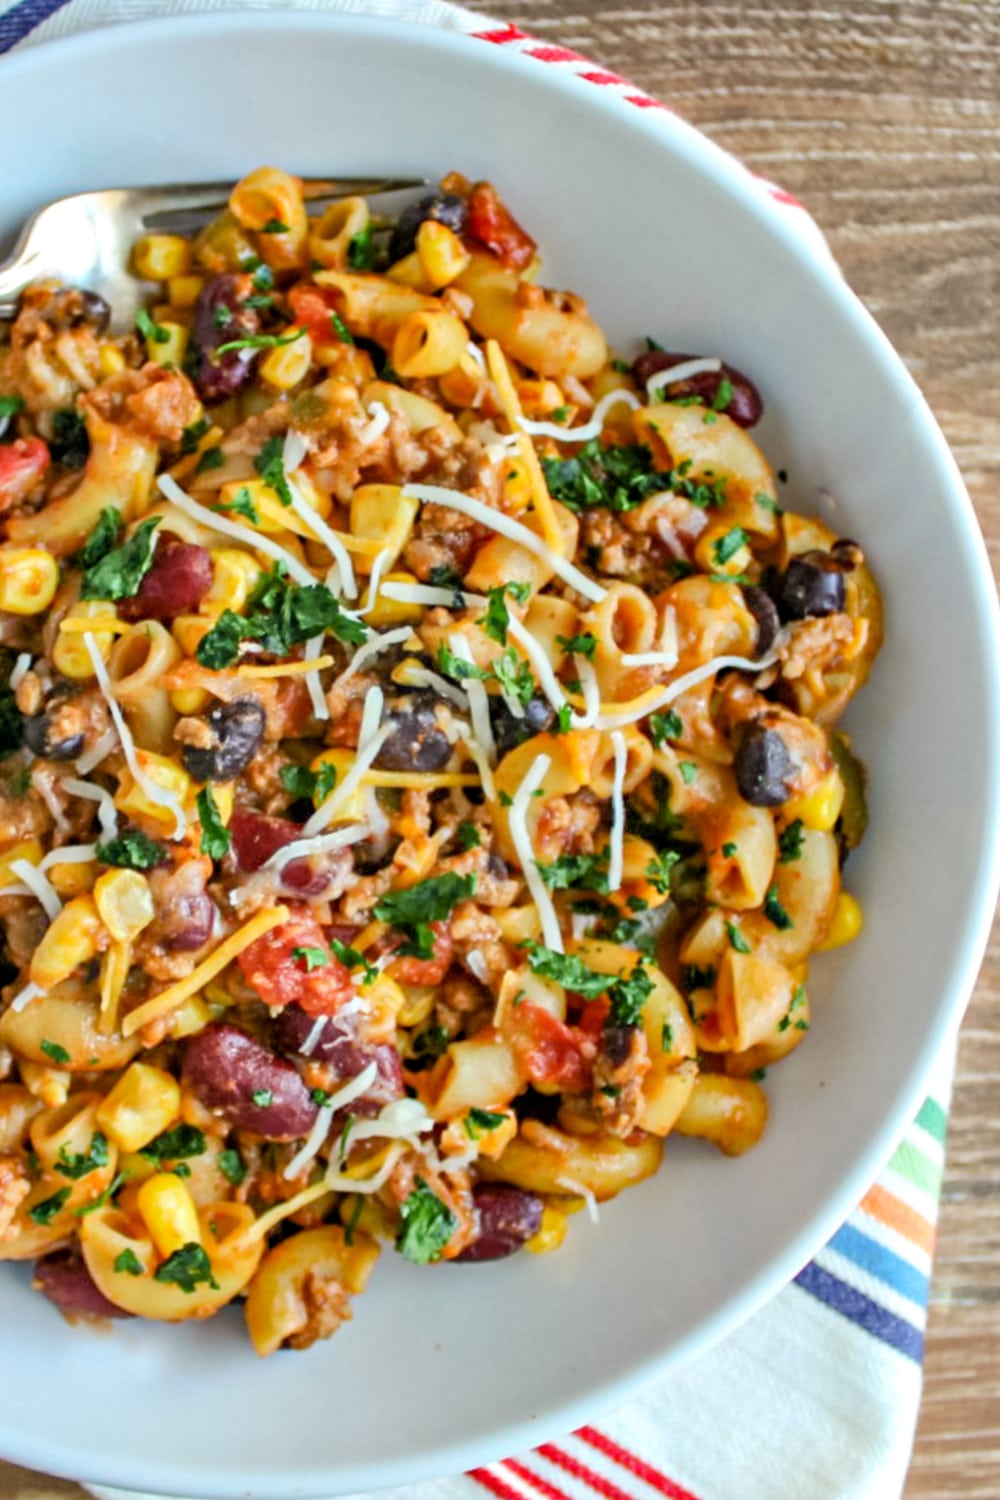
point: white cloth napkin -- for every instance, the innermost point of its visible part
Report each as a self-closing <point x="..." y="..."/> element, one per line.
<point x="816" y="1396"/>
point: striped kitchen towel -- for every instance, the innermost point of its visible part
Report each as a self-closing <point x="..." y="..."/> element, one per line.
<point x="816" y="1396"/>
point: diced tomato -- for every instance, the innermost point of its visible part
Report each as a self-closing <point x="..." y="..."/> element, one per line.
<point x="313" y="307"/>
<point x="281" y="977"/>
<point x="593" y="1016"/>
<point x="22" y="464"/>
<point x="491" y="221"/>
<point x="549" y="1051"/>
<point x="427" y="970"/>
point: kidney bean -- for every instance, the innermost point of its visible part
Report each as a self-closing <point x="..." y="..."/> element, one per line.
<point x="178" y="579"/>
<point x="339" y="1048"/>
<point x="812" y="585"/>
<point x="507" y="1216"/>
<point x="248" y="1083"/>
<point x="763" y="608"/>
<point x="256" y="836"/>
<point x="763" y="766"/>
<point x="745" y="405"/>
<point x="509" y="732"/>
<point x="220" y="316"/>
<point x="63" y="1278"/>
<point x="237" y="729"/>
<point x="185" y="912"/>
<point x="415" y="742"/>
<point x="446" y="208"/>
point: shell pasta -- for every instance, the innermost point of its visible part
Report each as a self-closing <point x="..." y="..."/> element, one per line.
<point x="420" y="783"/>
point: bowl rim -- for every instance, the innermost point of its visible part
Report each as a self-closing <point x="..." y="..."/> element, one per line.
<point x="732" y="178"/>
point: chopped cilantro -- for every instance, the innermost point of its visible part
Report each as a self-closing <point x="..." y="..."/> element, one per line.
<point x="262" y="341"/>
<point x="102" y="539"/>
<point x="736" y="938"/>
<point x="621" y="367"/>
<point x="104" y="1198"/>
<point x="668" y="726"/>
<point x="567" y="969"/>
<point x="215" y="840"/>
<point x="361" y="251"/>
<point x="279" y="615"/>
<point x="9" y="407"/>
<point x="790" y="842"/>
<point x="320" y="1098"/>
<point x="352" y="959"/>
<point x="775" y="912"/>
<point x="697" y="977"/>
<point x="723" y="395"/>
<point x="344" y="334"/>
<point x="514" y="675"/>
<point x="659" y="869"/>
<point x="274" y="226"/>
<point x="232" y="1166"/>
<point x="152" y="332"/>
<point x="270" y="465"/>
<point x="263" y="1098"/>
<point x="76" y="1164"/>
<point x="313" y="958"/>
<point x="415" y="908"/>
<point x="120" y="572"/>
<point x="54" y="1052"/>
<point x="428" y="1225"/>
<point x="688" y="770"/>
<point x="628" y="994"/>
<point x="583" y="644"/>
<point x="667" y="1036"/>
<point x="128" y="1263"/>
<point x="428" y="1046"/>
<point x="468" y="836"/>
<point x="212" y="458"/>
<point x="458" y="668"/>
<point x="241" y="505"/>
<point x="298" y="781"/>
<point x="727" y="546"/>
<point x="497" y="617"/>
<point x="478" y="1120"/>
<point x="131" y="850"/>
<point x="564" y="719"/>
<point x="618" y="478"/>
<point x="192" y="436"/>
<point x="766" y="503"/>
<point x="43" y="1213"/>
<point x="175" y="1144"/>
<point x="758" y="1075"/>
<point x="189" y="1267"/>
<point x="587" y="872"/>
<point x="357" y="1208"/>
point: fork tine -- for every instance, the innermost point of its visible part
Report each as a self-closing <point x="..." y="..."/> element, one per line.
<point x="162" y="206"/>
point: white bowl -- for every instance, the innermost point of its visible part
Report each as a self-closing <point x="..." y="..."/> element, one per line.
<point x="445" y="1368"/>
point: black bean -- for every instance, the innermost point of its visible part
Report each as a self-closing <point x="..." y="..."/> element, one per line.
<point x="38" y="738"/>
<point x="93" y="309"/>
<point x="764" y="611"/>
<point x="509" y="732"/>
<point x="446" y="208"/>
<point x="763" y="766"/>
<point x="745" y="405"/>
<point x="415" y="742"/>
<point x="220" y="317"/>
<point x="237" y="729"/>
<point x="618" y="1043"/>
<point x="813" y="585"/>
<point x="507" y="1216"/>
<point x="69" y="444"/>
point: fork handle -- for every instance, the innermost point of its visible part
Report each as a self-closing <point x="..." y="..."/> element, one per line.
<point x="15" y="275"/>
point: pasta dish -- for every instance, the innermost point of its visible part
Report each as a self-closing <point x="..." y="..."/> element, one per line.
<point x="420" y="788"/>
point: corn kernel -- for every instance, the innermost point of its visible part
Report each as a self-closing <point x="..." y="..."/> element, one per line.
<point x="389" y="612"/>
<point x="516" y="484"/>
<point x="190" y="700"/>
<point x="189" y="1018"/>
<point x="73" y="879"/>
<point x="820" y="808"/>
<point x="29" y="577"/>
<point x="287" y="365"/>
<point x="187" y="631"/>
<point x="110" y="361"/>
<point x="848" y="920"/>
<point x="342" y="760"/>
<point x="131" y="798"/>
<point x="168" y="1212"/>
<point x="418" y="1004"/>
<point x="234" y="574"/>
<point x="550" y="1233"/>
<point x="157" y="257"/>
<point x="143" y="1102"/>
<point x="169" y="350"/>
<point x="69" y="653"/>
<point x="29" y="849"/>
<point x="125" y="903"/>
<point x="382" y="513"/>
<point x="138" y="1169"/>
<point x="183" y="290"/>
<point x="73" y="938"/>
<point x="441" y="253"/>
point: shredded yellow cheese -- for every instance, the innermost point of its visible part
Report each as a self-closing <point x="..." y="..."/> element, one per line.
<point x="525" y="447"/>
<point x="262" y="1226"/>
<point x="77" y="625"/>
<point x="419" y="779"/>
<point x="287" y="668"/>
<point x="184" y="466"/>
<point x="168" y="999"/>
<point x="114" y="972"/>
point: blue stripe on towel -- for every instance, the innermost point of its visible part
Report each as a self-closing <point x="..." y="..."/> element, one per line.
<point x="859" y="1309"/>
<point x="17" y="23"/>
<point x="874" y="1258"/>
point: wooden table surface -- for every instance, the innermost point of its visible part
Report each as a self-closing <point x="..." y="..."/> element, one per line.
<point x="884" y="118"/>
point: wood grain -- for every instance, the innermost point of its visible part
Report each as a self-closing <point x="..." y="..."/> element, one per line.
<point x="884" y="118"/>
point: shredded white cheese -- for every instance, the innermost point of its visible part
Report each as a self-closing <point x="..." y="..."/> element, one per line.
<point x="616" y="842"/>
<point x="477" y="755"/>
<point x="316" y="1030"/>
<point x="372" y="646"/>
<point x="342" y="1183"/>
<point x="402" y="1119"/>
<point x="313" y="649"/>
<point x="434" y="494"/>
<point x="374" y="428"/>
<point x="155" y="793"/>
<point x="429" y="594"/>
<point x="587" y="674"/>
<point x="41" y="785"/>
<point x="39" y="886"/>
<point x="107" y="813"/>
<point x="475" y="962"/>
<point x="686" y="370"/>
<point x="99" y="750"/>
<point x="20" y="668"/>
<point x="539" y="660"/>
<point x="588" y="430"/>
<point x="327" y="811"/>
<point x="371" y="716"/>
<point x="24" y="997"/>
<point x="379" y="566"/>
<point x="479" y="704"/>
<point x="424" y="677"/>
<point x="322" y="843"/>
<point x="69" y="854"/>
<point x="518" y="824"/>
<point x="651" y="702"/>
<point x="571" y="1185"/>
<point x="254" y="541"/>
<point x="321" y="1125"/>
<point x="292" y="454"/>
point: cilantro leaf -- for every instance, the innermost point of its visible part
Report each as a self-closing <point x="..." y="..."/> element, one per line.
<point x="587" y="872"/>
<point x="478" y="1120"/>
<point x="352" y="959"/>
<point x="274" y="226"/>
<point x="668" y="726"/>
<point x="497" y="617"/>
<point x="76" y="1164"/>
<point x="103" y="1198"/>
<point x="790" y="842"/>
<point x="54" y="1052"/>
<point x="263" y="1098"/>
<point x="628" y="995"/>
<point x="313" y="958"/>
<point x="723" y="395"/>
<point x="584" y="644"/>
<point x="129" y="1263"/>
<point x="458" y="668"/>
<point x="215" y="840"/>
<point x="176" y="1144"/>
<point x="428" y="1225"/>
<point x="343" y="333"/>
<point x="736" y="938"/>
<point x="131" y="850"/>
<point x="361" y="251"/>
<point x="514" y="675"/>
<point x="566" y="969"/>
<point x="232" y="1166"/>
<point x="659" y="869"/>
<point x="189" y="1267"/>
<point x="270" y="465"/>
<point x="279" y="615"/>
<point x="262" y="341"/>
<point x="618" y="478"/>
<point x="120" y="572"/>
<point x="428" y="1046"/>
<point x="688" y="770"/>
<point x="775" y="912"/>
<point x="43" y="1213"/>
<point x="9" y="407"/>
<point x="102" y="539"/>
<point x="192" y="436"/>
<point x="152" y="332"/>
<point x="428" y="901"/>
<point x="241" y="505"/>
<point x="727" y="546"/>
<point x="298" y="781"/>
<point x="468" y="836"/>
<point x="211" y="458"/>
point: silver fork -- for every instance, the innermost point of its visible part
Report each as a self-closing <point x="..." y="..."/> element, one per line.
<point x="86" y="240"/>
